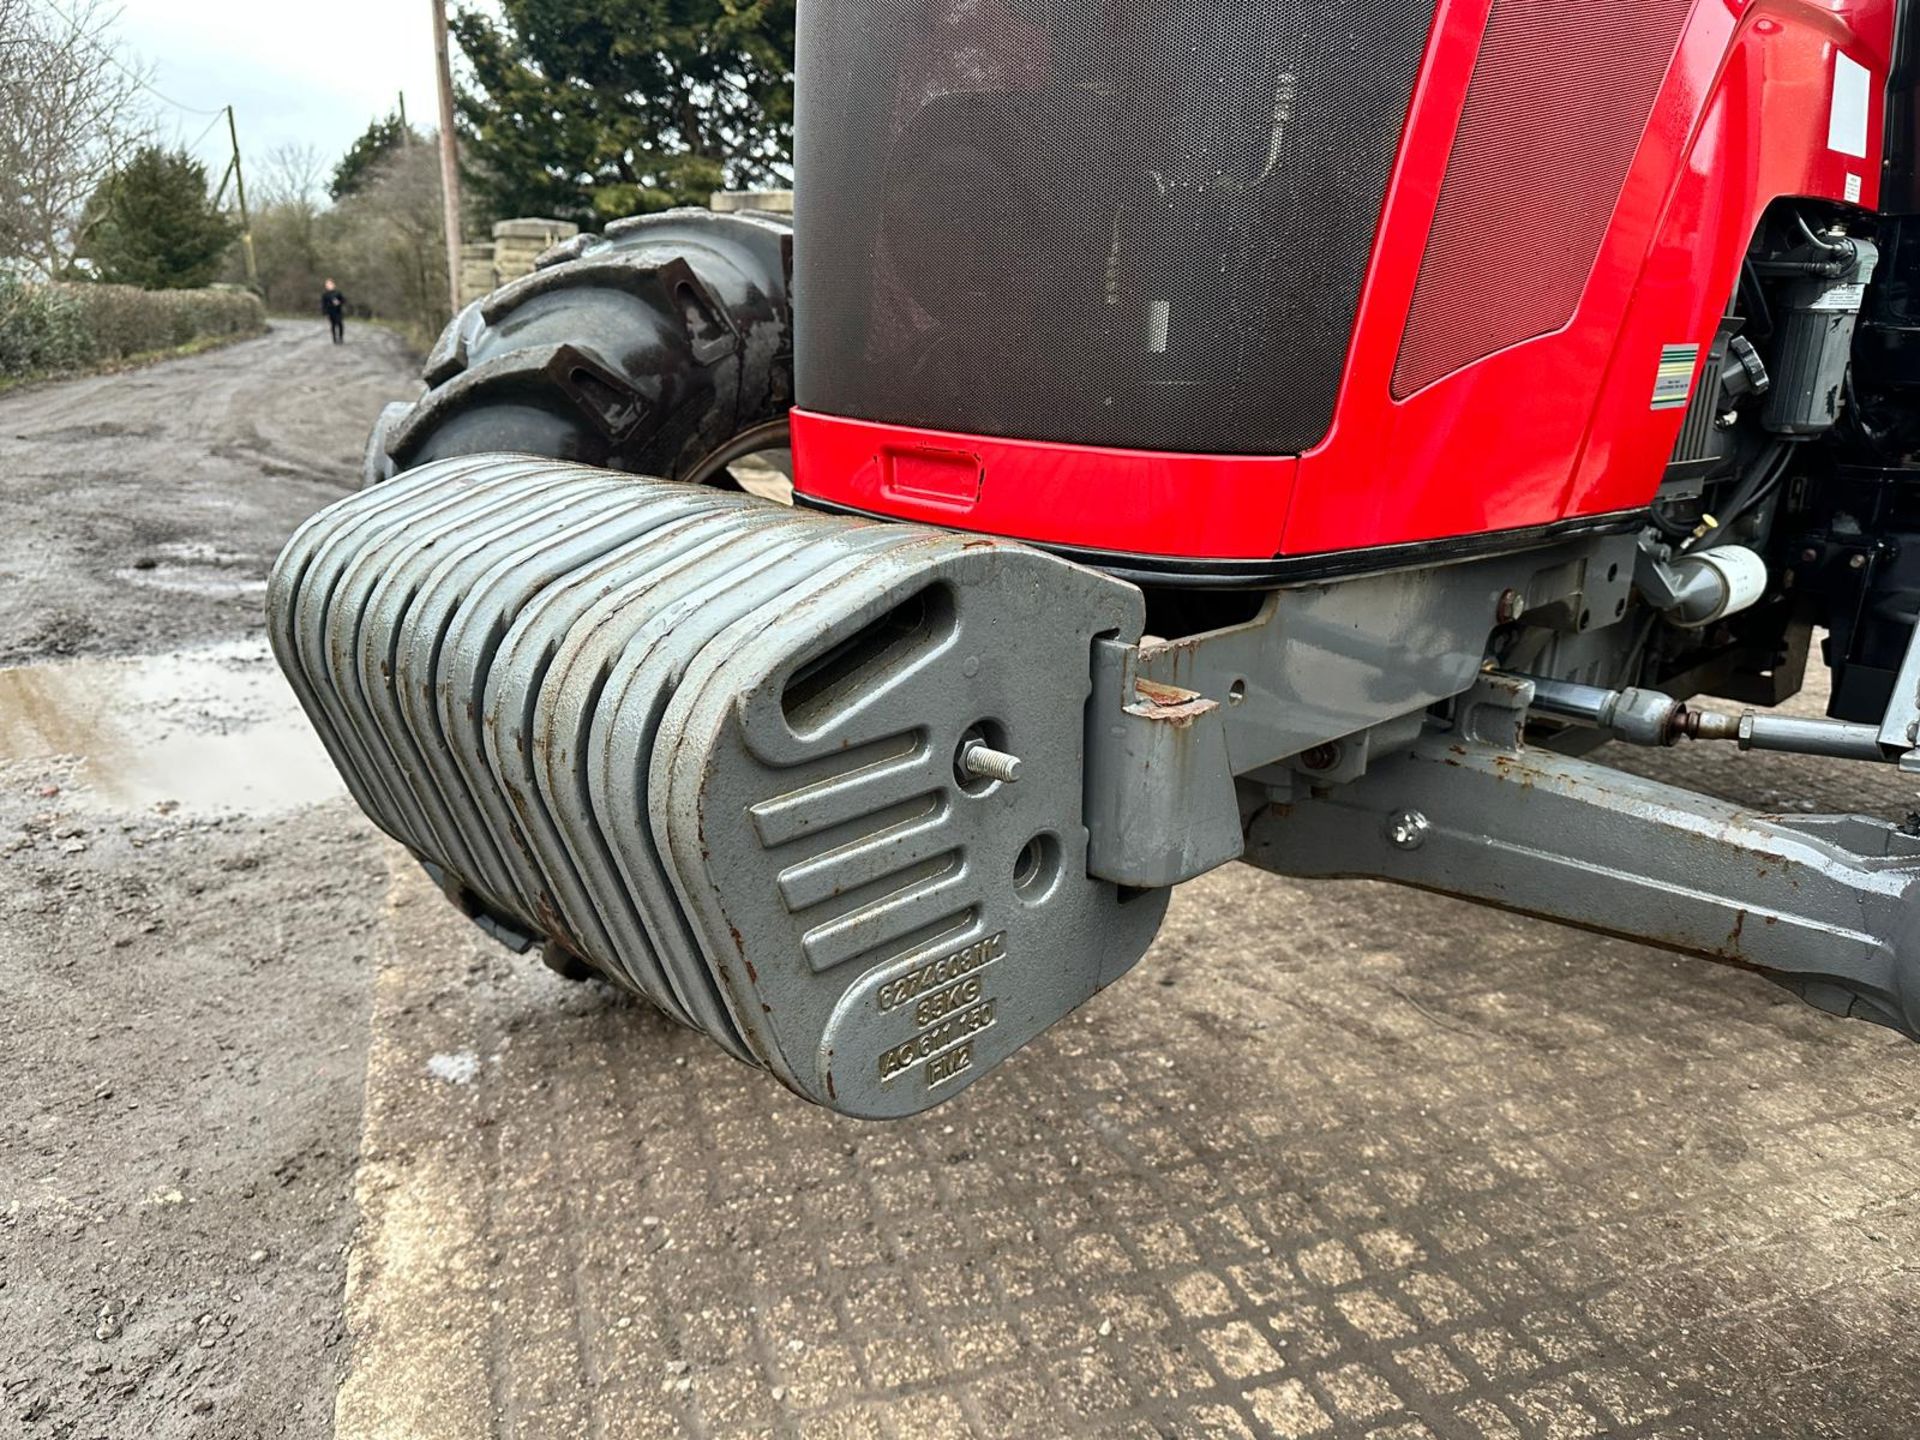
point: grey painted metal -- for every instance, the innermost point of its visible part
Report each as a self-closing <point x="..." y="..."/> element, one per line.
<point x="1812" y="736"/>
<point x="527" y="729"/>
<point x="612" y="680"/>
<point x="1161" y="802"/>
<point x="1827" y="906"/>
<point x="386" y="657"/>
<point x="1320" y="663"/>
<point x="445" y="684"/>
<point x="712" y="747"/>
<point x="1900" y="727"/>
<point x="1640" y="717"/>
<point x="910" y="933"/>
<point x="301" y="588"/>
<point x="1648" y="717"/>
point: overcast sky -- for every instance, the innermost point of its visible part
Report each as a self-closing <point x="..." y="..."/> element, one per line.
<point x="295" y="73"/>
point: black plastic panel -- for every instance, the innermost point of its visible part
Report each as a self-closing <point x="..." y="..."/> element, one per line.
<point x="1093" y="221"/>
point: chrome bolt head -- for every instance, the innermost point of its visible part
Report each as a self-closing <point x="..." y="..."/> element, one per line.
<point x="1408" y="830"/>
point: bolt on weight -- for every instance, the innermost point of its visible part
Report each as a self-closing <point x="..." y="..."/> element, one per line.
<point x="711" y="748"/>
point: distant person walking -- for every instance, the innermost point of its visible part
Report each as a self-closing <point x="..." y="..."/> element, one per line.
<point x="334" y="306"/>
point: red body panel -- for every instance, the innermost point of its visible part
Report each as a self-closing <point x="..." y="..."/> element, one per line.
<point x="1551" y="429"/>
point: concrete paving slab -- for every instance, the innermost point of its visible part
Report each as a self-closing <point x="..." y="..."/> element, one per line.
<point x="1336" y="1160"/>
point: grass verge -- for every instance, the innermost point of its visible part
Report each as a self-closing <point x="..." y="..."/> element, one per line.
<point x="145" y="358"/>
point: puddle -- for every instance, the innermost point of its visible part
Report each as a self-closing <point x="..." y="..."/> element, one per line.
<point x="210" y="731"/>
<point x="182" y="580"/>
<point x="197" y="568"/>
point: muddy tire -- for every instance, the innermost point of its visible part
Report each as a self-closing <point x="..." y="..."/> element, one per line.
<point x="663" y="347"/>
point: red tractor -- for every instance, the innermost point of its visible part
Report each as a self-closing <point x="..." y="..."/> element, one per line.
<point x="1266" y="431"/>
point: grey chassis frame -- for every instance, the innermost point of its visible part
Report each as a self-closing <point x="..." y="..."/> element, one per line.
<point x="1451" y="799"/>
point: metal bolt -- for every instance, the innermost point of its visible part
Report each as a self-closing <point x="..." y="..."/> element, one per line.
<point x="1321" y="757"/>
<point x="983" y="762"/>
<point x="1858" y="562"/>
<point x="1809" y="555"/>
<point x="1511" y="607"/>
<point x="1409" y="829"/>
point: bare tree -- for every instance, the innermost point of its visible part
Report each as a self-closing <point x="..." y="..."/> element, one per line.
<point x="289" y="195"/>
<point x="386" y="242"/>
<point x="15" y="79"/>
<point x="70" y="109"/>
<point x="293" y="175"/>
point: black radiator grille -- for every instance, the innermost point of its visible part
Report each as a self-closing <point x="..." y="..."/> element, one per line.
<point x="1095" y="221"/>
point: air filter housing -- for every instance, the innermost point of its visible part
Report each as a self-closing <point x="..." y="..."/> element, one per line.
<point x="1141" y="225"/>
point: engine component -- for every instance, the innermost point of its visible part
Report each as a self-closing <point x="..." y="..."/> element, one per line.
<point x="1824" y="905"/>
<point x="651" y="348"/>
<point x="1815" y="344"/>
<point x="1699" y="587"/>
<point x="1853" y="540"/>
<point x="718" y="750"/>
<point x="1707" y="446"/>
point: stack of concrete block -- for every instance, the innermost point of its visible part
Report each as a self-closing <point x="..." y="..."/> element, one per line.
<point x="476" y="271"/>
<point x="518" y="243"/>
<point x="728" y="202"/>
<point x="487" y="265"/>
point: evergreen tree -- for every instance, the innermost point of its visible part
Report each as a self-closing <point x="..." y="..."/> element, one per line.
<point x="152" y="224"/>
<point x="587" y="110"/>
<point x="363" y="159"/>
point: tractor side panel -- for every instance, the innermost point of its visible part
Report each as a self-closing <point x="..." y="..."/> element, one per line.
<point x="1572" y="193"/>
<point x="1574" y="422"/>
<point x="1773" y="105"/>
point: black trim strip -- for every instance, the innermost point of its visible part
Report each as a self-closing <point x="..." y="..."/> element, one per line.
<point x="1285" y="570"/>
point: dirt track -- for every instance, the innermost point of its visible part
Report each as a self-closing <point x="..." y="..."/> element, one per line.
<point x="186" y="988"/>
<point x="142" y="509"/>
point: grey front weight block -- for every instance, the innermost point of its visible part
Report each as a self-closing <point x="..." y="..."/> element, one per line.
<point x="711" y="746"/>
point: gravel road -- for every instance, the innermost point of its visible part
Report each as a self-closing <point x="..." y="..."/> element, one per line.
<point x="186" y="977"/>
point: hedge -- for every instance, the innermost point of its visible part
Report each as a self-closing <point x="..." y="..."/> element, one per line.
<point x="46" y="329"/>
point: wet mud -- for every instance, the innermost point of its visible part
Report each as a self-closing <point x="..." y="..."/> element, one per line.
<point x="205" y="732"/>
<point x="189" y="915"/>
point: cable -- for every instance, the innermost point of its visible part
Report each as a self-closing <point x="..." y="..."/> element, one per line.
<point x="218" y="116"/>
<point x="1762" y="316"/>
<point x="1830" y="246"/>
<point x="81" y="33"/>
<point x="1856" y="416"/>
<point x="1759" y="484"/>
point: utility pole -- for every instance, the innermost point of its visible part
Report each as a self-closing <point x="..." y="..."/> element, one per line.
<point x="449" y="151"/>
<point x="246" y="219"/>
<point x="406" y="134"/>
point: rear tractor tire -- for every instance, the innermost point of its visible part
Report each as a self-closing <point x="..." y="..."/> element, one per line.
<point x="663" y="347"/>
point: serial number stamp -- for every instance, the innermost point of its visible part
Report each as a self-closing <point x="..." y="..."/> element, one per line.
<point x="937" y="974"/>
<point x="942" y="1037"/>
<point x="943" y="1067"/>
